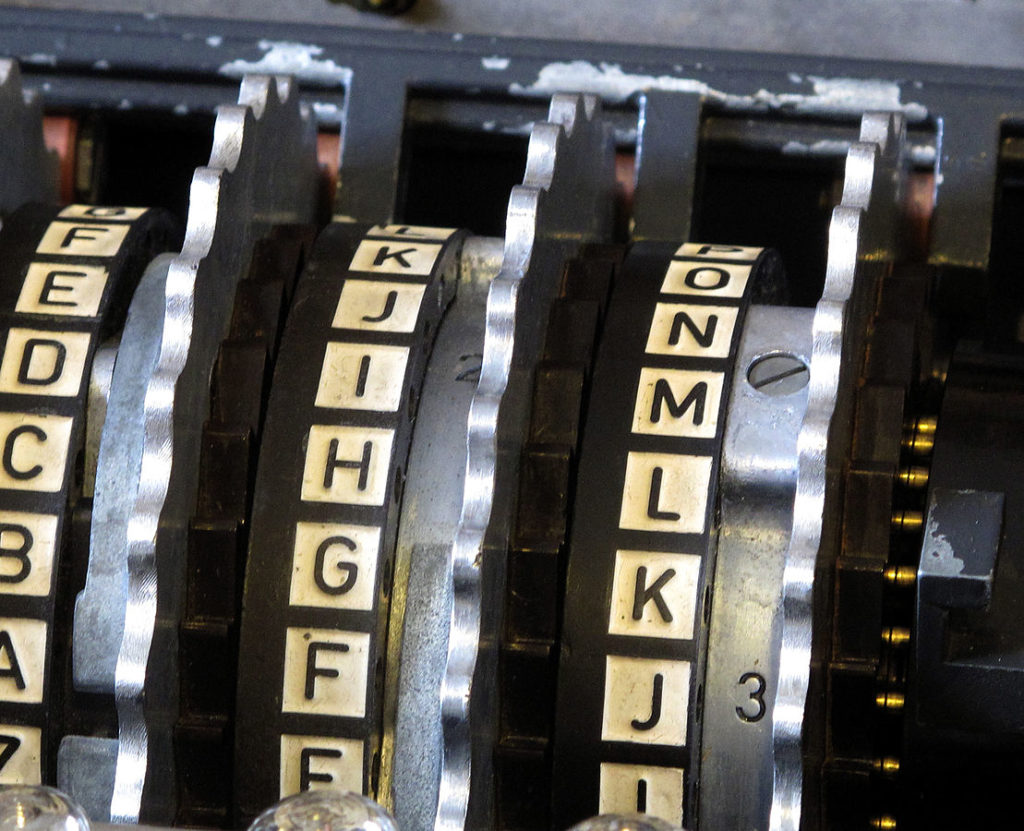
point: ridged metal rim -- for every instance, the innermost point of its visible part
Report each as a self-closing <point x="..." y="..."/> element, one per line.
<point x="862" y="229"/>
<point x="536" y="207"/>
<point x="225" y="201"/>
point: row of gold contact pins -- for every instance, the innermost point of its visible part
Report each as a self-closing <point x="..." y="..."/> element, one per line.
<point x="907" y="526"/>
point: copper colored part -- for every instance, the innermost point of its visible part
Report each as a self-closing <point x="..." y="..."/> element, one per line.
<point x="902" y="576"/>
<point x="907" y="521"/>
<point x="896" y="636"/>
<point x="625" y="175"/>
<point x="625" y="185"/>
<point x="914" y="476"/>
<point x="328" y="154"/>
<point x="920" y="202"/>
<point x="60" y="133"/>
<point x="890" y="700"/>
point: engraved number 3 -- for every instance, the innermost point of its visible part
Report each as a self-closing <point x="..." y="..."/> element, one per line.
<point x="756" y="696"/>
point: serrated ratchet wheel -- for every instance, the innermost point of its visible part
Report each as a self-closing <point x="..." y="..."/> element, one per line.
<point x="502" y="533"/>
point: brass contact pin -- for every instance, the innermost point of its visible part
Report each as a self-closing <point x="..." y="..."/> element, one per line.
<point x="884" y="823"/>
<point x="919" y="439"/>
<point x="887" y="765"/>
<point x="908" y="521"/>
<point x="890" y="700"/>
<point x="896" y="636"/>
<point x="902" y="576"/>
<point x="914" y="476"/>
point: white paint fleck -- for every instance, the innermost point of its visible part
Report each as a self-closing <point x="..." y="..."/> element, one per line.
<point x="922" y="155"/>
<point x="151" y="16"/>
<point x="124" y="104"/>
<point x="795" y="78"/>
<point x="181" y="109"/>
<point x="41" y="59"/>
<point x="327" y="113"/>
<point x="457" y="36"/>
<point x="214" y="41"/>
<point x="47" y="86"/>
<point x="495" y="62"/>
<point x="489" y="125"/>
<point x="284" y="57"/>
<point x="824" y="147"/>
<point x="101" y="65"/>
<point x="939" y="556"/>
<point x="833" y="96"/>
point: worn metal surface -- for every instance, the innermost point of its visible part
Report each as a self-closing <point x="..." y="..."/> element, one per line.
<point x="947" y="31"/>
<point x="100" y="606"/>
<point x="371" y="78"/>
<point x="99" y="393"/>
<point x="85" y="770"/>
<point x="261" y="170"/>
<point x="421" y="603"/>
<point x="564" y="201"/>
<point x="863" y="232"/>
<point x="759" y="466"/>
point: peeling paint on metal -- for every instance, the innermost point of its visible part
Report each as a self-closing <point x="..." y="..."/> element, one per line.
<point x="495" y="62"/>
<point x="181" y="109"/>
<point x="938" y="556"/>
<point x="41" y="59"/>
<point x="288" y="58"/>
<point x="214" y="41"/>
<point x="101" y="65"/>
<point x="827" y="96"/>
<point x="825" y="147"/>
<point x="921" y="155"/>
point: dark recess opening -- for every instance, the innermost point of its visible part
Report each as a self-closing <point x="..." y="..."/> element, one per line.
<point x="1004" y="324"/>
<point x="459" y="178"/>
<point x="147" y="158"/>
<point x="762" y="199"/>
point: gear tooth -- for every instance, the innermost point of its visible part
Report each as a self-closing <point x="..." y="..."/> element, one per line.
<point x="262" y="164"/>
<point x="219" y="530"/>
<point x="536" y="553"/>
<point x="561" y="206"/>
